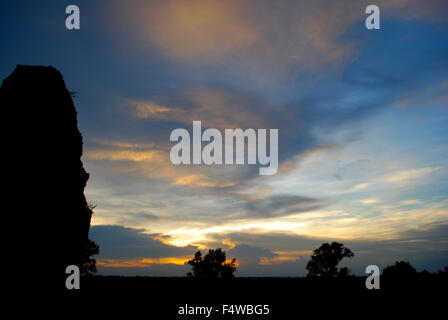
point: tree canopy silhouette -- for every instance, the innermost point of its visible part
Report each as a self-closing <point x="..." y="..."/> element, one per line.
<point x="213" y="265"/>
<point x="88" y="266"/>
<point x="325" y="259"/>
<point x="400" y="270"/>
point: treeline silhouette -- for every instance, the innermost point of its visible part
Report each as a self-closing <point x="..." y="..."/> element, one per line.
<point x="327" y="290"/>
<point x="323" y="264"/>
<point x="402" y="289"/>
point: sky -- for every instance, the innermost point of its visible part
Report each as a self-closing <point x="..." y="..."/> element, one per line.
<point x="362" y="118"/>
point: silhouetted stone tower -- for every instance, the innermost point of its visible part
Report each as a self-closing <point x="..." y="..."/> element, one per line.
<point x="45" y="217"/>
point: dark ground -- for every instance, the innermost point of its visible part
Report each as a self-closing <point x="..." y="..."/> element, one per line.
<point x="288" y="298"/>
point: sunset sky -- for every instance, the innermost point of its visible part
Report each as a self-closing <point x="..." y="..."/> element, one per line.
<point x="362" y="118"/>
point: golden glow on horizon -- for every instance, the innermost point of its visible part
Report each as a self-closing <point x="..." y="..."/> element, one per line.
<point x="323" y="224"/>
<point x="141" y="263"/>
<point x="348" y="228"/>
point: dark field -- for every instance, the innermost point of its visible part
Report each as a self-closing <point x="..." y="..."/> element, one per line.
<point x="287" y="298"/>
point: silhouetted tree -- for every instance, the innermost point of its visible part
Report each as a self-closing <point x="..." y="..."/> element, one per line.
<point x="91" y="248"/>
<point x="325" y="259"/>
<point x="443" y="274"/>
<point x="343" y="272"/>
<point x="400" y="270"/>
<point x="88" y="266"/>
<point x="213" y="265"/>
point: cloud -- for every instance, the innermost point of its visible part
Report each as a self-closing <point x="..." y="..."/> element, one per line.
<point x="247" y="254"/>
<point x="369" y="201"/>
<point x="411" y="202"/>
<point x="360" y="186"/>
<point x="126" y="155"/>
<point x="203" y="27"/>
<point x="293" y="162"/>
<point x="265" y="35"/>
<point x="426" y="248"/>
<point x="405" y="176"/>
<point x="429" y="95"/>
<point x="154" y="163"/>
<point x="428" y="232"/>
<point x="122" y="243"/>
<point x="200" y="180"/>
<point x="215" y="107"/>
<point x="122" y="144"/>
<point x="137" y="218"/>
<point x="129" y="251"/>
<point x="277" y="206"/>
<point x="222" y="101"/>
<point x="208" y="31"/>
<point x="272" y="240"/>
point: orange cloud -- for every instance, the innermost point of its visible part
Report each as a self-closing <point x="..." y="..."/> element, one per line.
<point x="274" y="260"/>
<point x="208" y="30"/>
<point x="258" y="36"/>
<point x="197" y="28"/>
<point x="200" y="180"/>
<point x="215" y="108"/>
<point x="155" y="163"/>
<point x="127" y="155"/>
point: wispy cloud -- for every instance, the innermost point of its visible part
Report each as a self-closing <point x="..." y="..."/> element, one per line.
<point x="405" y="176"/>
<point x="360" y="186"/>
<point x="156" y="164"/>
<point x="411" y="202"/>
<point x="124" y="243"/>
<point x="277" y="206"/>
<point x="369" y="201"/>
<point x="297" y="33"/>
<point x="216" y="108"/>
